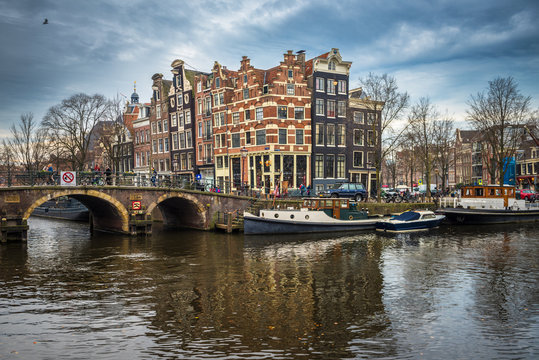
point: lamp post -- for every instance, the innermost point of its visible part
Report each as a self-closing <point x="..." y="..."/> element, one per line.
<point x="518" y="154"/>
<point x="245" y="173"/>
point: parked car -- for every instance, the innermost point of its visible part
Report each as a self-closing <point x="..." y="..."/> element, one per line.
<point x="526" y="194"/>
<point x="355" y="191"/>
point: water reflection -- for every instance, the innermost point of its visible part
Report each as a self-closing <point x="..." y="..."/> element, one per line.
<point x="447" y="293"/>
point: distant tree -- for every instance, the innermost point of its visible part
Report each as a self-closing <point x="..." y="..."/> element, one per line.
<point x="443" y="142"/>
<point x="383" y="90"/>
<point x="500" y="113"/>
<point x="110" y="134"/>
<point x="28" y="144"/>
<point x="422" y="128"/>
<point x="72" y="122"/>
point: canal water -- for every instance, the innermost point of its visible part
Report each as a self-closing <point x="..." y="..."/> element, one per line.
<point x="452" y="293"/>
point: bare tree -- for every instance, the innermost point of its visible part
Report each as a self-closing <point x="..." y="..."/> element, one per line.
<point x="500" y="114"/>
<point x="444" y="142"/>
<point x="28" y="144"/>
<point x="111" y="133"/>
<point x="422" y="119"/>
<point x="383" y="90"/>
<point x="72" y="122"/>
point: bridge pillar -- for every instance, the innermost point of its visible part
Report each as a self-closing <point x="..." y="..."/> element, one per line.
<point x="140" y="223"/>
<point x="13" y="228"/>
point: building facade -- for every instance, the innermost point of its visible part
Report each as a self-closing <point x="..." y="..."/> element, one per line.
<point x="205" y="165"/>
<point x="159" y="125"/>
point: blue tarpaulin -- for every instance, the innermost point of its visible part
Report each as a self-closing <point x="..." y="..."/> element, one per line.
<point x="408" y="216"/>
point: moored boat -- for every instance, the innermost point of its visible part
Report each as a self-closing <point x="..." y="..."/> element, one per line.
<point x="63" y="208"/>
<point x="315" y="215"/>
<point x="416" y="220"/>
<point x="489" y="204"/>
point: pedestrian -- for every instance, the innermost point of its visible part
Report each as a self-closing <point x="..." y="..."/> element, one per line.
<point x="108" y="176"/>
<point x="302" y="189"/>
<point x="50" y="170"/>
<point x="154" y="177"/>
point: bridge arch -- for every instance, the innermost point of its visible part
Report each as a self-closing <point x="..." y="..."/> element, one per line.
<point x="108" y="213"/>
<point x="181" y="210"/>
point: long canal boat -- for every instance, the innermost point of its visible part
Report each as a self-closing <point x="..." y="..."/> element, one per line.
<point x="490" y="204"/>
<point x="315" y="215"/>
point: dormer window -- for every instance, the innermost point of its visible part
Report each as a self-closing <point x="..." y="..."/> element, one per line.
<point x="217" y="83"/>
<point x="332" y="65"/>
<point x="178" y="81"/>
<point x="290" y="73"/>
<point x="245" y="79"/>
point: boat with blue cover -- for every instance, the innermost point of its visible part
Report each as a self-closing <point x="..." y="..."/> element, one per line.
<point x="315" y="215"/>
<point x="415" y="220"/>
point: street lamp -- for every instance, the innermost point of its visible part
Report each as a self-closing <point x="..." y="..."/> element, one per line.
<point x="245" y="174"/>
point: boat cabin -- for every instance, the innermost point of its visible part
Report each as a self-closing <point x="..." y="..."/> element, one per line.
<point x="488" y="192"/>
<point x="337" y="208"/>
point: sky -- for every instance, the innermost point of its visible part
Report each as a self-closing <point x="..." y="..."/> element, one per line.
<point x="443" y="50"/>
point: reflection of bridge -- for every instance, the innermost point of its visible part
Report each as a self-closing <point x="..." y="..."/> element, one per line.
<point x="120" y="209"/>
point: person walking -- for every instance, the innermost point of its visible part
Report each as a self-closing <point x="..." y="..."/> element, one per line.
<point x="108" y="176"/>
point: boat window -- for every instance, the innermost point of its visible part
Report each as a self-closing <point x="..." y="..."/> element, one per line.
<point x="497" y="192"/>
<point x="306" y="217"/>
<point x="291" y="216"/>
<point x="276" y="216"/>
<point x="468" y="192"/>
<point x="491" y="192"/>
<point x="429" y="216"/>
<point x="344" y="204"/>
<point x="479" y="192"/>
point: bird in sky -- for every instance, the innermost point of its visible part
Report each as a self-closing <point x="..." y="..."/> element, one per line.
<point x="46" y="21"/>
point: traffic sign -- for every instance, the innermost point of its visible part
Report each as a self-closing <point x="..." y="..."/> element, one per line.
<point x="136" y="204"/>
<point x="480" y="181"/>
<point x="420" y="182"/>
<point x="68" y="178"/>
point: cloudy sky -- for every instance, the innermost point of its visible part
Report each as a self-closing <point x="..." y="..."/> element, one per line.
<point x="443" y="49"/>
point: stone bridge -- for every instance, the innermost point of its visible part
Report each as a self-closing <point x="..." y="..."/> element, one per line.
<point x="128" y="210"/>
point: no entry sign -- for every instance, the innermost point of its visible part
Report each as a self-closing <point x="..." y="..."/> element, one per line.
<point x="68" y="178"/>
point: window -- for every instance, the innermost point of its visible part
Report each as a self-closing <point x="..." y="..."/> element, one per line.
<point x="178" y="81"/>
<point x="247" y="137"/>
<point x="320" y="107"/>
<point x="290" y="73"/>
<point x="154" y="146"/>
<point x="282" y="112"/>
<point x="160" y="145"/>
<point x="320" y="134"/>
<point x="165" y="125"/>
<point x="290" y="89"/>
<point x="331" y="108"/>
<point x="158" y="112"/>
<point x="199" y="103"/>
<point x="299" y="136"/>
<point x="200" y="129"/>
<point x="261" y="137"/>
<point x="370" y="158"/>
<point x="332" y="65"/>
<point x="319" y="166"/>
<point x="189" y="138"/>
<point x="319" y="84"/>
<point x="330" y="165"/>
<point x="265" y="89"/>
<point x="166" y="144"/>
<point x="331" y="134"/>
<point x="331" y="86"/>
<point x="217" y="83"/>
<point x="175" y="141"/>
<point x="358" y="159"/>
<point x="370" y="138"/>
<point x="235" y="118"/>
<point x="180" y="100"/>
<point x="187" y="117"/>
<point x="245" y="78"/>
<point x="259" y="112"/>
<point x="147" y="135"/>
<point x="299" y="113"/>
<point x="341" y="108"/>
<point x="222" y="98"/>
<point x="208" y="131"/>
<point x="358" y="117"/>
<point x="247" y="114"/>
<point x="340" y="166"/>
<point x="159" y="127"/>
<point x="207" y="105"/>
<point x="282" y="136"/>
<point x="246" y="93"/>
<point x="199" y="86"/>
<point x="342" y="87"/>
<point x="219" y="162"/>
<point x="173" y="121"/>
<point x="236" y="140"/>
<point x="181" y="119"/>
<point x="182" y="140"/>
<point x="371" y="118"/>
<point x="358" y="137"/>
<point x="341" y="134"/>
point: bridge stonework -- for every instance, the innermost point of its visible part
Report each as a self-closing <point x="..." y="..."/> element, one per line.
<point x="112" y="209"/>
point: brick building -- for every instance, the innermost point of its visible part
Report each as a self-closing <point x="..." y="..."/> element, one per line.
<point x="204" y="129"/>
<point x="159" y="125"/>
